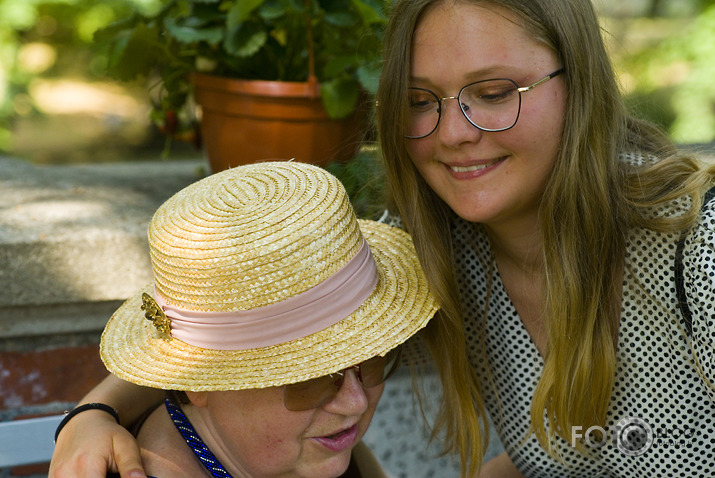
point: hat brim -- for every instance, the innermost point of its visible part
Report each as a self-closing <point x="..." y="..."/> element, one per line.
<point x="400" y="305"/>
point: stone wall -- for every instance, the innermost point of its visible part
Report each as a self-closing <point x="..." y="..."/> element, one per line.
<point x="72" y="248"/>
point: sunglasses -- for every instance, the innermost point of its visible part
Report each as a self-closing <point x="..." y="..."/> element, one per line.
<point x="317" y="392"/>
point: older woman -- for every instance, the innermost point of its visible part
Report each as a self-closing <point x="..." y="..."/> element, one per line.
<point x="274" y="319"/>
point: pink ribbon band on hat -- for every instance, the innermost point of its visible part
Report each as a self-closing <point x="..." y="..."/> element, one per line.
<point x="311" y="311"/>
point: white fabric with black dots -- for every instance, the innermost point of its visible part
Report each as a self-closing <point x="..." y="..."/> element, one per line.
<point x="659" y="396"/>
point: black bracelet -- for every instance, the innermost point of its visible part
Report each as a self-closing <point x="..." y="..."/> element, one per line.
<point x="82" y="408"/>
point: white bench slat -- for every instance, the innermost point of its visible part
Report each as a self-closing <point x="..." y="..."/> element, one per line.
<point x="27" y="441"/>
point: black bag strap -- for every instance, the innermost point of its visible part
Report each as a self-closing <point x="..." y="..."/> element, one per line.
<point x="680" y="281"/>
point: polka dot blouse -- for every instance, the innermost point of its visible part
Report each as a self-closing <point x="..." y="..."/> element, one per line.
<point x="661" y="417"/>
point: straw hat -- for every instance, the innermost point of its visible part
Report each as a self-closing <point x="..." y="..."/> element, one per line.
<point x="262" y="279"/>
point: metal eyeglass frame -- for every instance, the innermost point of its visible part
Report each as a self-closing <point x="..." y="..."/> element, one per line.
<point x="520" y="90"/>
<point x="335" y="380"/>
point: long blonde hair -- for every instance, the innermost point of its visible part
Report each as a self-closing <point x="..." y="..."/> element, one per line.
<point x="596" y="197"/>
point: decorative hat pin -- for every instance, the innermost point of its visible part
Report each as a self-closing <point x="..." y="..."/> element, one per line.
<point x="154" y="313"/>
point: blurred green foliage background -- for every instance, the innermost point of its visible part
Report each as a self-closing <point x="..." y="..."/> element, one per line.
<point x="56" y="105"/>
<point x="671" y="80"/>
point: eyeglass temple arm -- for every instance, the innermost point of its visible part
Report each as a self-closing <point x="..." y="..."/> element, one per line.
<point x="524" y="89"/>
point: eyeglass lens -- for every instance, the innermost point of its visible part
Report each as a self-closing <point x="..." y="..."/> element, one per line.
<point x="491" y="105"/>
<point x="317" y="392"/>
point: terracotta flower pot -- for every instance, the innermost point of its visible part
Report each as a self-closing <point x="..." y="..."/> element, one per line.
<point x="244" y="121"/>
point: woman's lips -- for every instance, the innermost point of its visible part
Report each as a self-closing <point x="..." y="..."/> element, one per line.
<point x="340" y="441"/>
<point x="474" y="167"/>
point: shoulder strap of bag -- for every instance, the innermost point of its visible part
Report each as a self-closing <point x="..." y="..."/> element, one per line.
<point x="679" y="280"/>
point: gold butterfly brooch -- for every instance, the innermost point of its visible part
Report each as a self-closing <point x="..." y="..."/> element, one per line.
<point x="153" y="312"/>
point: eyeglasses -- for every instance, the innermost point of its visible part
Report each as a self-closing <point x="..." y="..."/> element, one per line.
<point x="490" y="105"/>
<point x="317" y="392"/>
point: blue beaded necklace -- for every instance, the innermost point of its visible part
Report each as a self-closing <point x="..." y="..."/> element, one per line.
<point x="192" y="439"/>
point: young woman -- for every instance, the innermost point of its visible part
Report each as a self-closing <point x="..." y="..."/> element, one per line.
<point x="547" y="221"/>
<point x="274" y="319"/>
<point x="570" y="246"/>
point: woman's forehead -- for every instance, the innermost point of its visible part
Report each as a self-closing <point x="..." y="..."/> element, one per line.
<point x="468" y="42"/>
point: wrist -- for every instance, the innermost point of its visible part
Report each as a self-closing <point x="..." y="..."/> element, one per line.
<point x="83" y="408"/>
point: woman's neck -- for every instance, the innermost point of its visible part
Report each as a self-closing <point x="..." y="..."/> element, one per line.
<point x="517" y="244"/>
<point x="518" y="254"/>
<point x="209" y="435"/>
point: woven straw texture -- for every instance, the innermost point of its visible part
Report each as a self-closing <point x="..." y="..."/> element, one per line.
<point x="255" y="235"/>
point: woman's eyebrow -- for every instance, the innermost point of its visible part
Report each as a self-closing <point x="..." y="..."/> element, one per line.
<point x="485" y="73"/>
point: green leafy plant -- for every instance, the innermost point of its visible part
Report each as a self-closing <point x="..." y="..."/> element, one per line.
<point x="336" y="42"/>
<point x="364" y="181"/>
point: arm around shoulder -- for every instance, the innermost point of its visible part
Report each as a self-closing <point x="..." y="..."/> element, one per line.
<point x="92" y="443"/>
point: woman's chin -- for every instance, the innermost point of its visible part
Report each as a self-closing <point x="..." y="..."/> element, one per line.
<point x="332" y="467"/>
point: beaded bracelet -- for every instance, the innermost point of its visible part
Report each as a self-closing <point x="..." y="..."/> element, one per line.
<point x="82" y="408"/>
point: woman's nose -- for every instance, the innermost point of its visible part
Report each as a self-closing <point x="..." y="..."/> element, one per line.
<point x="351" y="398"/>
<point x="454" y="127"/>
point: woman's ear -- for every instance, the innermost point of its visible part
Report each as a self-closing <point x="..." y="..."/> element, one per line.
<point x="198" y="399"/>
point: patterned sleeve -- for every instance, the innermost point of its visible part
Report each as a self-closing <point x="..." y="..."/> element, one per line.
<point x="699" y="283"/>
